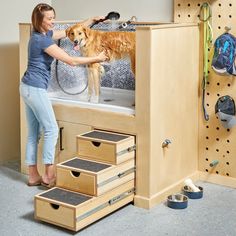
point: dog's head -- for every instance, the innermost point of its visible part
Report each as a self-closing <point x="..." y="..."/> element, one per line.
<point x="78" y="34"/>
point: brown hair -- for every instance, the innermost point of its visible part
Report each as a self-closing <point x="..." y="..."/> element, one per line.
<point x="38" y="15"/>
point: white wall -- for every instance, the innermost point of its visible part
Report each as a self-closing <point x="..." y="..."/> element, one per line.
<point x="148" y="10"/>
<point x="12" y="12"/>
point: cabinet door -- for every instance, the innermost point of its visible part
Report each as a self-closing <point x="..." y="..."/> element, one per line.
<point x="67" y="139"/>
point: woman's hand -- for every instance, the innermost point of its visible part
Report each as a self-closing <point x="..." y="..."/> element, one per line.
<point x="97" y="18"/>
<point x="102" y="57"/>
<point x="93" y="20"/>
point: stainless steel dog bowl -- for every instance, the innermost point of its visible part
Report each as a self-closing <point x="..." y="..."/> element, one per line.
<point x="193" y="195"/>
<point x="177" y="201"/>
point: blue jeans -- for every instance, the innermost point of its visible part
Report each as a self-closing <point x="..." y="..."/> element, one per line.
<point x="40" y="118"/>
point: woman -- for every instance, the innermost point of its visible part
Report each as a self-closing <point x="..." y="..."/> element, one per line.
<point x="39" y="112"/>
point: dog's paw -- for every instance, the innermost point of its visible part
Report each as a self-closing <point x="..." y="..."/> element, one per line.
<point x="88" y="98"/>
<point x="94" y="99"/>
<point x="101" y="70"/>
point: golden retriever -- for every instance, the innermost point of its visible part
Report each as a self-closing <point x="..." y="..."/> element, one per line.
<point x="116" y="45"/>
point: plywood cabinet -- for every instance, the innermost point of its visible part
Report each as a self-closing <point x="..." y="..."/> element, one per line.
<point x="166" y="107"/>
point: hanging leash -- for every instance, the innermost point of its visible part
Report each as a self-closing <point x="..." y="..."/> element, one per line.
<point x="205" y="16"/>
<point x="58" y="81"/>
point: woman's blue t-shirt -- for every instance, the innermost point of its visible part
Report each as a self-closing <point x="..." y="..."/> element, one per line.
<point x="39" y="63"/>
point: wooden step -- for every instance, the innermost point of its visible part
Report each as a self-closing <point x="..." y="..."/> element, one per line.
<point x="107" y="147"/>
<point x="74" y="210"/>
<point x="93" y="178"/>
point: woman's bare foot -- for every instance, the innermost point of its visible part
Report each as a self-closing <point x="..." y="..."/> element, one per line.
<point x="49" y="177"/>
<point x="34" y="176"/>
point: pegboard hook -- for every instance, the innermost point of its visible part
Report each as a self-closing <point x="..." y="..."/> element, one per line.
<point x="227" y="29"/>
<point x="205" y="12"/>
<point x="134" y="18"/>
<point x="214" y="163"/>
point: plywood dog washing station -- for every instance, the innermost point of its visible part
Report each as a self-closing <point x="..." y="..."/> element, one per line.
<point x="166" y="107"/>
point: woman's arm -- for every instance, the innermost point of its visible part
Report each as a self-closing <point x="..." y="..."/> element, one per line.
<point x="92" y="20"/>
<point x="59" y="54"/>
<point x="58" y="34"/>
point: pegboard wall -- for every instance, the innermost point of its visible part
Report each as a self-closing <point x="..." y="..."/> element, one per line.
<point x="215" y="142"/>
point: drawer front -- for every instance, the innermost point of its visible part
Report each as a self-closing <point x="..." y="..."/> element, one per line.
<point x="55" y="214"/>
<point x="116" y="176"/>
<point x="111" y="185"/>
<point x="94" y="150"/>
<point x="104" y="205"/>
<point x="80" y="224"/>
<point x="76" y="181"/>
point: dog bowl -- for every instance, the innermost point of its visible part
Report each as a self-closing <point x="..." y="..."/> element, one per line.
<point x="192" y="195"/>
<point x="177" y="201"/>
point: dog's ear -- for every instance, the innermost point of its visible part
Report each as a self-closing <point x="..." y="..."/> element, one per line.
<point x="68" y="31"/>
<point x="86" y="31"/>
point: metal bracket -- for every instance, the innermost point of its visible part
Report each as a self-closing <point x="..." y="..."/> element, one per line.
<point x="120" y="175"/>
<point x="129" y="149"/>
<point x="108" y="203"/>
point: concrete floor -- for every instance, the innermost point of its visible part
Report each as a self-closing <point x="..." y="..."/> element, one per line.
<point x="214" y="214"/>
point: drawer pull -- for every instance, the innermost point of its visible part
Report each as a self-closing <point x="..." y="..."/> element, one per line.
<point x="60" y="139"/>
<point x="96" y="144"/>
<point x="54" y="206"/>
<point x="75" y="173"/>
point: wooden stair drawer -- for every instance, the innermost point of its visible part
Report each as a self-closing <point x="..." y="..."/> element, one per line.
<point x="74" y="210"/>
<point x="106" y="147"/>
<point x="93" y="178"/>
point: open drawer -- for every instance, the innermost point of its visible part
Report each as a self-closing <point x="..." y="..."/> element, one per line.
<point x="106" y="146"/>
<point x="93" y="178"/>
<point x="74" y="210"/>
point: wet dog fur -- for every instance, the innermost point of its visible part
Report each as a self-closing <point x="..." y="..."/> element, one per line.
<point x="116" y="45"/>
